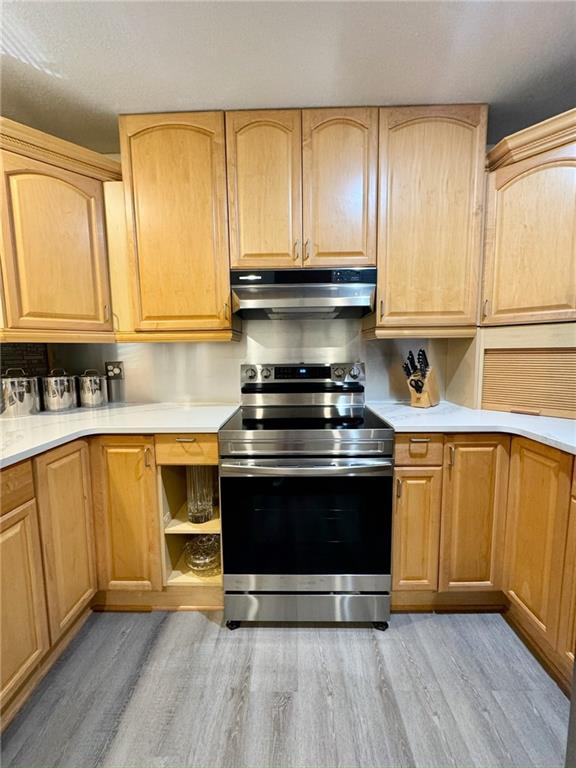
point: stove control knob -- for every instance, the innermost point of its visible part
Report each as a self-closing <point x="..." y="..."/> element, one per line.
<point x="266" y="373"/>
<point x="354" y="372"/>
<point x="339" y="373"/>
<point x="251" y="373"/>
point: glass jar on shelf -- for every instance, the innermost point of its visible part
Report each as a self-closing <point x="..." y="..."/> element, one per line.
<point x="202" y="554"/>
<point x="199" y="493"/>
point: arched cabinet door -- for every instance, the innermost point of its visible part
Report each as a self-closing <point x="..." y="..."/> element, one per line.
<point x="54" y="253"/>
<point x="530" y="254"/>
<point x="431" y="187"/>
<point x="264" y="188"/>
<point x="339" y="161"/>
<point x="175" y="186"/>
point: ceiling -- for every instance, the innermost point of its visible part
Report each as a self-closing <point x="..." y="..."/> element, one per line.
<point x="70" y="68"/>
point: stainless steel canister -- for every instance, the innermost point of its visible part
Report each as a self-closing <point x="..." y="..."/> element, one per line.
<point x="59" y="391"/>
<point x="20" y="394"/>
<point x="93" y="389"/>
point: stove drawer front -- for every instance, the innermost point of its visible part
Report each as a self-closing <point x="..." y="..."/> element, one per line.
<point x="306" y="525"/>
<point x="297" y="607"/>
<point x="321" y="582"/>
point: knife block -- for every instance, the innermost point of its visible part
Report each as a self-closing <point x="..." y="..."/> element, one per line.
<point x="429" y="395"/>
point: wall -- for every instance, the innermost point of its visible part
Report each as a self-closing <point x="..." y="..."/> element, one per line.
<point x="192" y="372"/>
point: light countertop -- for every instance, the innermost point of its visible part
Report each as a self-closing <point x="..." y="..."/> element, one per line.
<point x="30" y="435"/>
<point x="451" y="418"/>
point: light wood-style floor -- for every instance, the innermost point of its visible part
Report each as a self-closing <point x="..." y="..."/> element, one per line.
<point x="178" y="689"/>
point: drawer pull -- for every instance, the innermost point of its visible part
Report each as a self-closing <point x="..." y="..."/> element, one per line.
<point x="185" y="439"/>
<point x="452" y="455"/>
<point x="398" y="487"/>
<point x="147" y="457"/>
<point x="526" y="411"/>
<point x="419" y="439"/>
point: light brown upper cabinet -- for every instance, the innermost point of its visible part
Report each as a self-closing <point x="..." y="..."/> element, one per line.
<point x="126" y="513"/>
<point x="64" y="496"/>
<point x="175" y="189"/>
<point x="473" y="512"/>
<point x="54" y="260"/>
<point x="54" y="255"/>
<point x="530" y="249"/>
<point x="265" y="188"/>
<point x="535" y="542"/>
<point x="339" y="168"/>
<point x="431" y="186"/>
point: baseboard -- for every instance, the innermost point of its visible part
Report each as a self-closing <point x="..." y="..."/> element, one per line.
<point x="169" y="599"/>
<point x="455" y="602"/>
<point x="11" y="708"/>
<point x="547" y="656"/>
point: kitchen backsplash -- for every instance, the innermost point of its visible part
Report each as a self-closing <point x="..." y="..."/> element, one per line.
<point x="192" y="372"/>
<point x="33" y="358"/>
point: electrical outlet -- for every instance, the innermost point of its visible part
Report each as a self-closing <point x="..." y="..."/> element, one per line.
<point x="114" y="370"/>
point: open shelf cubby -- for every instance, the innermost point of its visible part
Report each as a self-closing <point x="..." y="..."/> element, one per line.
<point x="178" y="529"/>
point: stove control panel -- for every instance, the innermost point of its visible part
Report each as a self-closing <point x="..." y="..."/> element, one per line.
<point x="290" y="372"/>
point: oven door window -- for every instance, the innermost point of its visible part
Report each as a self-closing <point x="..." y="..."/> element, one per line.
<point x="291" y="525"/>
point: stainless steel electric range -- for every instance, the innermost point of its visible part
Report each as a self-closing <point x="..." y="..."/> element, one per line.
<point x="306" y="497"/>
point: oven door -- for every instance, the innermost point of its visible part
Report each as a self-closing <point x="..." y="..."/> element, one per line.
<point x="316" y="525"/>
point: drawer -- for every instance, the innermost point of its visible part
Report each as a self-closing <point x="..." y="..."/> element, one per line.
<point x="16" y="486"/>
<point x="419" y="449"/>
<point x="186" y="449"/>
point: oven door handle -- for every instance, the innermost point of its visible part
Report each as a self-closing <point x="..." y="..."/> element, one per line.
<point x="351" y="469"/>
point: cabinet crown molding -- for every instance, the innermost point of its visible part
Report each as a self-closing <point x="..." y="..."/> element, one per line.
<point x="23" y="140"/>
<point x="541" y="137"/>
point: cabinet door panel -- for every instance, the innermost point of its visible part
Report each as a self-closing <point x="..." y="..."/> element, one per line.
<point x="430" y="214"/>
<point x="175" y="186"/>
<point x="567" y="630"/>
<point x="530" y="266"/>
<point x="126" y="513"/>
<point x="536" y="534"/>
<point x="416" y="533"/>
<point x="473" y="512"/>
<point x="339" y="159"/>
<point x="265" y="188"/>
<point x="54" y="255"/>
<point x="65" y="509"/>
<point x="24" y="627"/>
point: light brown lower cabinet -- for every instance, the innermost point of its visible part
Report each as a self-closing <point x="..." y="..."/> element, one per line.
<point x="473" y="512"/>
<point x="416" y="528"/>
<point x="64" y="495"/>
<point x="566" y="643"/>
<point x="126" y="513"/>
<point x="536" y="529"/>
<point x="23" y="621"/>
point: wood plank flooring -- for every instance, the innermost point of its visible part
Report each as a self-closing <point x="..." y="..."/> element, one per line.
<point x="178" y="689"/>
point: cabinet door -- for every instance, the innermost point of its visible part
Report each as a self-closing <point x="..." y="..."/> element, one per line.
<point x="530" y="262"/>
<point x="416" y="532"/>
<point x="567" y="629"/>
<point x="54" y="256"/>
<point x="431" y="182"/>
<point x="175" y="184"/>
<point x="24" y="635"/>
<point x="473" y="512"/>
<point x="538" y="505"/>
<point x="339" y="159"/>
<point x="64" y="497"/>
<point x="126" y="513"/>
<point x="264" y="159"/>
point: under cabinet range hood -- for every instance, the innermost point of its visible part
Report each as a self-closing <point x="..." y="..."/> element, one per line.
<point x="281" y="294"/>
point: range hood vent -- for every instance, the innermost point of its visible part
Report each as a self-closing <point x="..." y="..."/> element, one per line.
<point x="303" y="293"/>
